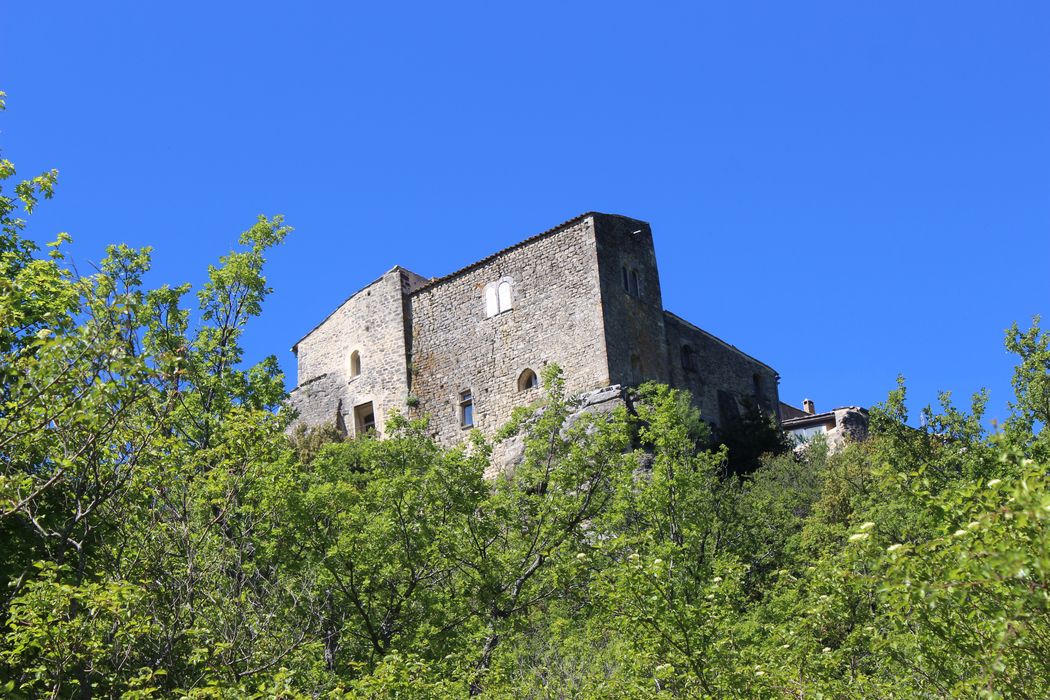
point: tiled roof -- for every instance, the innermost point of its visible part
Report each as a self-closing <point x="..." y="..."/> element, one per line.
<point x="808" y="418"/>
<point x="819" y="417"/>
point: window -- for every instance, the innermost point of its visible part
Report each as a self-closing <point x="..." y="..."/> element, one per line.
<point x="688" y="358"/>
<point x="364" y="419"/>
<point x="636" y="368"/>
<point x="498" y="297"/>
<point x="491" y="301"/>
<point x="630" y="281"/>
<point x="466" y="410"/>
<point x="804" y="435"/>
<point x="527" y="380"/>
<point x="504" y="297"/>
<point x="355" y="363"/>
<point x="756" y="380"/>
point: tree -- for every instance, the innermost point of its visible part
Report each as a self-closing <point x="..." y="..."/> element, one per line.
<point x="162" y="534"/>
<point x="1031" y="382"/>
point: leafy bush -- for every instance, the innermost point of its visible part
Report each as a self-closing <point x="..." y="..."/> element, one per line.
<point x="161" y="535"/>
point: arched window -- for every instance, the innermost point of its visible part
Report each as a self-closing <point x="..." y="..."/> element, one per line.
<point x="528" y="380"/>
<point x="491" y="301"/>
<point x="355" y="363"/>
<point x="688" y="358"/>
<point x="505" y="303"/>
<point x="498" y="297"/>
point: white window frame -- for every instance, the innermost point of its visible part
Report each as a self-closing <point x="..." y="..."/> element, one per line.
<point x="499" y="297"/>
<point x="466" y="398"/>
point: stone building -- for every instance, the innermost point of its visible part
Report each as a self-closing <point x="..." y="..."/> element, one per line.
<point x="468" y="347"/>
<point x="838" y="426"/>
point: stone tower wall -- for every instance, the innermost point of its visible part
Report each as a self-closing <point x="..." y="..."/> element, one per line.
<point x="372" y="322"/>
<point x="556" y="318"/>
<point x="633" y="316"/>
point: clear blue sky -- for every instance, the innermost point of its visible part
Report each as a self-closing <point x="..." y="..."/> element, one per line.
<point x="847" y="191"/>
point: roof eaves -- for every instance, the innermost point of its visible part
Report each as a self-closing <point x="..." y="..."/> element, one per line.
<point x="719" y="340"/>
<point x="803" y="420"/>
<point x="531" y="239"/>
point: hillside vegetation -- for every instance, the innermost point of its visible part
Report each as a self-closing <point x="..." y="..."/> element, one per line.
<point x="162" y="536"/>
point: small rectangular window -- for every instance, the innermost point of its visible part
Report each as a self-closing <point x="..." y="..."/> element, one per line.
<point x="364" y="419"/>
<point x="466" y="410"/>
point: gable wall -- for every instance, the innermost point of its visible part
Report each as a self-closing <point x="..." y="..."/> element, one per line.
<point x="373" y="323"/>
<point x="556" y="318"/>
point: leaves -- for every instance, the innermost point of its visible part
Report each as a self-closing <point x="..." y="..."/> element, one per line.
<point x="163" y="534"/>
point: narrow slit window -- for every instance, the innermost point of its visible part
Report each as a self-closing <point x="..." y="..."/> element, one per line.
<point x="466" y="410"/>
<point x="355" y="363"/>
<point x="633" y="291"/>
<point x="688" y="358"/>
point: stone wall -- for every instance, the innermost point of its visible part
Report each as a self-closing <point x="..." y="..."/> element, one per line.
<point x="633" y="316"/>
<point x="717" y="367"/>
<point x="372" y="323"/>
<point x="423" y="343"/>
<point x="556" y="318"/>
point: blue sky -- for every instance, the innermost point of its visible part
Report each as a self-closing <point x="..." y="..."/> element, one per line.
<point x="847" y="191"/>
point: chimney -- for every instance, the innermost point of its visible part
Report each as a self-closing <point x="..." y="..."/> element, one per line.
<point x="807" y="406"/>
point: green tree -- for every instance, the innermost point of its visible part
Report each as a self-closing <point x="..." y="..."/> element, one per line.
<point x="162" y="534"/>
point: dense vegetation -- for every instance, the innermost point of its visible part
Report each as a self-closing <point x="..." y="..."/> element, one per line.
<point x="161" y="535"/>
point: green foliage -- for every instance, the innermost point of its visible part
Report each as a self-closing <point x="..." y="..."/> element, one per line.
<point x="59" y="629"/>
<point x="1031" y="382"/>
<point x="307" y="441"/>
<point x="163" y="535"/>
<point x="749" y="437"/>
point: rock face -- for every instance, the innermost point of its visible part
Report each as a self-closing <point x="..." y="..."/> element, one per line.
<point x="464" y="349"/>
<point x="507" y="454"/>
<point x="851" y="425"/>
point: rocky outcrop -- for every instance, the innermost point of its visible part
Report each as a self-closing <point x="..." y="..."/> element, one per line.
<point x="507" y="454"/>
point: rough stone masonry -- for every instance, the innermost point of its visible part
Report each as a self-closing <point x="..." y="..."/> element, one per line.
<point x="466" y="348"/>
